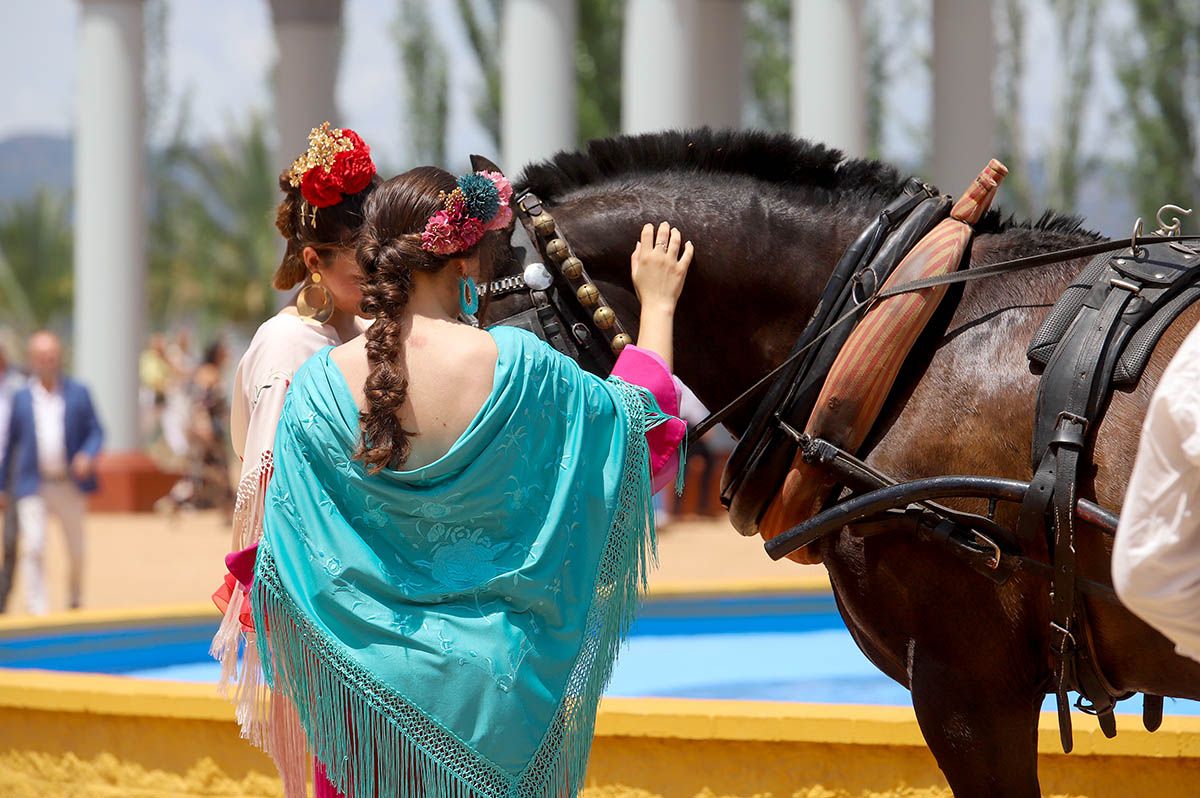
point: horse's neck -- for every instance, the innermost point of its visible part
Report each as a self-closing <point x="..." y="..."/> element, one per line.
<point x="759" y="271"/>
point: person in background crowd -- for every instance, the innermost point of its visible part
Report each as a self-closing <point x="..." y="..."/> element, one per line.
<point x="210" y="444"/>
<point x="1156" y="556"/>
<point x="10" y="382"/>
<point x="176" y="413"/>
<point x="155" y="375"/>
<point x="155" y="370"/>
<point x="49" y="466"/>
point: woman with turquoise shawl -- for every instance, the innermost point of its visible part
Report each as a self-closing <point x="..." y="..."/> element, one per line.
<point x="460" y="521"/>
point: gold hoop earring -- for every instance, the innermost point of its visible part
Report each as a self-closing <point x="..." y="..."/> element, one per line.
<point x="321" y="312"/>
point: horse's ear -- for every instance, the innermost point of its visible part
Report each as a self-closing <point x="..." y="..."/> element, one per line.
<point x="481" y="164"/>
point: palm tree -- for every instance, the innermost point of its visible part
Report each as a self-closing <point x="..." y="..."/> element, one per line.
<point x="36" y="251"/>
<point x="213" y="240"/>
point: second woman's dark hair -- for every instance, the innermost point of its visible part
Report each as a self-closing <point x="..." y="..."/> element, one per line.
<point x="389" y="252"/>
<point x="334" y="226"/>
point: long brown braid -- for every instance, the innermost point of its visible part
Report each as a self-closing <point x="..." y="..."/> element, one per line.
<point x="389" y="251"/>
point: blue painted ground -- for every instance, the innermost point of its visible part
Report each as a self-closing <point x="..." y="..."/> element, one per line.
<point x="774" y="648"/>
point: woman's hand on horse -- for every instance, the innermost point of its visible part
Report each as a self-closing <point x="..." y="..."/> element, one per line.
<point x="658" y="274"/>
<point x="658" y="267"/>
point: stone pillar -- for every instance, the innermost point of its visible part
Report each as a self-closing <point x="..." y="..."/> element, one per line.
<point x="309" y="39"/>
<point x="720" y="71"/>
<point x="964" y="119"/>
<point x="537" y="80"/>
<point x="110" y="212"/>
<point x="828" y="102"/>
<point x="657" y="68"/>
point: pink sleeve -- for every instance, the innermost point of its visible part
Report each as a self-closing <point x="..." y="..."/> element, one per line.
<point x="646" y="369"/>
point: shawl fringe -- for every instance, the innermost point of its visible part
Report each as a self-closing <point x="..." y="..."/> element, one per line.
<point x="268" y="721"/>
<point x="373" y="742"/>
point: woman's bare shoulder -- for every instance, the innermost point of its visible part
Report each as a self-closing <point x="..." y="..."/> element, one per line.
<point x="350" y="355"/>
<point x="351" y="359"/>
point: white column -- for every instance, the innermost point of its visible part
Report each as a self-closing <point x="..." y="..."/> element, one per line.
<point x="719" y="66"/>
<point x="964" y="119"/>
<point x="657" y="67"/>
<point x="309" y="39"/>
<point x="827" y="74"/>
<point x="110" y="258"/>
<point x="537" y="80"/>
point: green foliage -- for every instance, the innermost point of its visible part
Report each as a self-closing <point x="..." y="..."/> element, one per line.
<point x="598" y="67"/>
<point x="1077" y="21"/>
<point x="36" y="261"/>
<point x="597" y="64"/>
<point x="426" y="82"/>
<point x="768" y="52"/>
<point x="1159" y="69"/>
<point x="212" y="241"/>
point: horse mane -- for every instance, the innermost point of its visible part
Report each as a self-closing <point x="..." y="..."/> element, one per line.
<point x="774" y="158"/>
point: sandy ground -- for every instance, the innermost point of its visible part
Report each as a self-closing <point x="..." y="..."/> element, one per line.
<point x="148" y="560"/>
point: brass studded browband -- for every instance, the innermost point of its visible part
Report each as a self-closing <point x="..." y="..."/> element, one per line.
<point x="561" y="258"/>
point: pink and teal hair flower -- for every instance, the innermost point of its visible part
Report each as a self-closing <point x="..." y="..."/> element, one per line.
<point x="479" y="203"/>
<point x="480" y="196"/>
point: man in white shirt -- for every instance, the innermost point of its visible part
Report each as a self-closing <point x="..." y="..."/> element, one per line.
<point x="1156" y="557"/>
<point x="48" y="466"/>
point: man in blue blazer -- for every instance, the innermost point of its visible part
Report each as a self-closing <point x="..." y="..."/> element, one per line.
<point x="48" y="466"/>
<point x="11" y="381"/>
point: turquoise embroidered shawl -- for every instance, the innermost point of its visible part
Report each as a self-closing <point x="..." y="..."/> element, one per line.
<point x="448" y="630"/>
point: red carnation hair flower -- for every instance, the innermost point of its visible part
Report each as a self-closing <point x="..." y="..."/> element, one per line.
<point x="338" y="162"/>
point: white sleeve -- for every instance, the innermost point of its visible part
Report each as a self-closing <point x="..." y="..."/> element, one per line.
<point x="264" y="408"/>
<point x="1156" y="556"/>
<point x="261" y="384"/>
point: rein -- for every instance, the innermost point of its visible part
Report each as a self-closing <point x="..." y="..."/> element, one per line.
<point x="546" y="240"/>
<point x="964" y="276"/>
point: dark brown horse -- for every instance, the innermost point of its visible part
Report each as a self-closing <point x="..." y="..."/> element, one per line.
<point x="770" y="216"/>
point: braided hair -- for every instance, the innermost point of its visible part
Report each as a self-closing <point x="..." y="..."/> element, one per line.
<point x="389" y="253"/>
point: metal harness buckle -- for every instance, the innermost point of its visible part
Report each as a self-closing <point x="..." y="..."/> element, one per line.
<point x="1065" y="434"/>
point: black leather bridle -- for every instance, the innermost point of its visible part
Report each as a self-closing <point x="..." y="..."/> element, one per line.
<point x="570" y="313"/>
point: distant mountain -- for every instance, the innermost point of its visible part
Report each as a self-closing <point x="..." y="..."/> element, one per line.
<point x="29" y="163"/>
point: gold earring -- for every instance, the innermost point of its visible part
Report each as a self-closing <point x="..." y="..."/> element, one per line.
<point x="320" y="313"/>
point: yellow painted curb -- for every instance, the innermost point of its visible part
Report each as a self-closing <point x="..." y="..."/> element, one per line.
<point x="663" y="718"/>
<point x="97" y="694"/>
<point x="769" y="721"/>
<point x="80" y="620"/>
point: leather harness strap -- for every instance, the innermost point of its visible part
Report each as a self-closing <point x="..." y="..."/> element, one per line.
<point x="1061" y="462"/>
<point x="963" y="276"/>
<point x="1031" y="262"/>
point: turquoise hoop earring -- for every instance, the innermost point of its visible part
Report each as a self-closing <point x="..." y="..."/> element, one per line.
<point x="468" y="296"/>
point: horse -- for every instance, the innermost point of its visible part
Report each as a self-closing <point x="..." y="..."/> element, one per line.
<point x="769" y="216"/>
